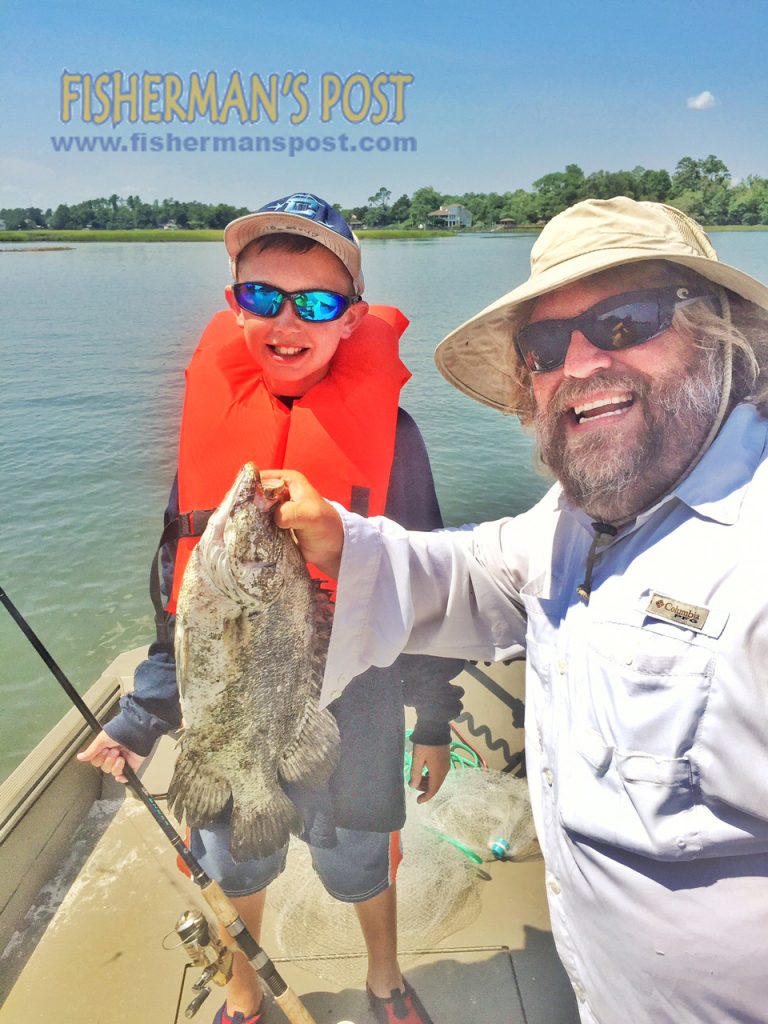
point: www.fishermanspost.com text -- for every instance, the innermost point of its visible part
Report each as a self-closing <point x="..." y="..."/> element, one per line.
<point x="290" y="145"/>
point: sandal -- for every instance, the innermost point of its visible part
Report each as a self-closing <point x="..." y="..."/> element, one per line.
<point x="404" y="1007"/>
<point x="222" y="1017"/>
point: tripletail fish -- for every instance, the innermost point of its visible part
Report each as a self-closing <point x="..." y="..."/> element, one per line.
<point x="252" y="633"/>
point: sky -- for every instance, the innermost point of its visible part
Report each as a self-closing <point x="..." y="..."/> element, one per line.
<point x="477" y="97"/>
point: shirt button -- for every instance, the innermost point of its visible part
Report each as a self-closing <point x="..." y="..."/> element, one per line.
<point x="554" y="886"/>
<point x="581" y="995"/>
<point x="562" y="665"/>
<point x="548" y="776"/>
<point x="336" y="694"/>
<point x="681" y="844"/>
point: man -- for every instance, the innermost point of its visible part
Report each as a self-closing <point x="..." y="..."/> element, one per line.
<point x="636" y="587"/>
<point x="301" y="369"/>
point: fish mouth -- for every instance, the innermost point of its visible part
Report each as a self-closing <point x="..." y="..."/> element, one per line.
<point x="246" y="492"/>
<point x="252" y="490"/>
<point x="275" y="490"/>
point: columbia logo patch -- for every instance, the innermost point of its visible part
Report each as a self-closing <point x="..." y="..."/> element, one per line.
<point x="668" y="608"/>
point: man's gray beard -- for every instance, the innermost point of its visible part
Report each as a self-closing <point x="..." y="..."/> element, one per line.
<point x="615" y="481"/>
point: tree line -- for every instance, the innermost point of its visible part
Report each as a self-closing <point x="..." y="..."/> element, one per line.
<point x="702" y="188"/>
<point x="119" y="214"/>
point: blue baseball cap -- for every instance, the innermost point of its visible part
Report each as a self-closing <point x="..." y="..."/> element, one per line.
<point x="301" y="214"/>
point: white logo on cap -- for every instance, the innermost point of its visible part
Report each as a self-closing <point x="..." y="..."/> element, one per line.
<point x="302" y="203"/>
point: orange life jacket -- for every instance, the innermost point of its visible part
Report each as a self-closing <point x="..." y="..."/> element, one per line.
<point x="340" y="434"/>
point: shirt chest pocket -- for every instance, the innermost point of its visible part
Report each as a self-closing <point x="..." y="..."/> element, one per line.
<point x="648" y="684"/>
<point x="635" y="702"/>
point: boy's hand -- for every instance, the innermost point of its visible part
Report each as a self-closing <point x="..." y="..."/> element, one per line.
<point x="111" y="757"/>
<point x="315" y="522"/>
<point x="437" y="761"/>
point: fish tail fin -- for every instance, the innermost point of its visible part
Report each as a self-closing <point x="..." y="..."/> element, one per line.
<point x="258" y="830"/>
<point x="315" y="752"/>
<point x="196" y="792"/>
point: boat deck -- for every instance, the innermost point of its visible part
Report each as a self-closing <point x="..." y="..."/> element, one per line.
<point x="107" y="923"/>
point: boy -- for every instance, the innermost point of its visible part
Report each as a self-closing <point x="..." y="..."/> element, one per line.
<point x="301" y="372"/>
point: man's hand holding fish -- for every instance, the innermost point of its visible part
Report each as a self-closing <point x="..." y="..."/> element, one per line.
<point x="314" y="521"/>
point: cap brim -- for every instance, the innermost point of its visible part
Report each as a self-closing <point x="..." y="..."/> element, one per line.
<point x="479" y="357"/>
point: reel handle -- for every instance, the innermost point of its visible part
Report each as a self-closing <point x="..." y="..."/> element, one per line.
<point x="196" y="1003"/>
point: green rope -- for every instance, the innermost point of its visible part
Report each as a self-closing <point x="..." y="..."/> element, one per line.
<point x="462" y="757"/>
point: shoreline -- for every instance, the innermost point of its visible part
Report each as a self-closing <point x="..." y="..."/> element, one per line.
<point x="161" y="235"/>
<point x="214" y="235"/>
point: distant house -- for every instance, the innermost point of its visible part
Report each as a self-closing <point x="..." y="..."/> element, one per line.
<point x="452" y="216"/>
<point x="2" y="226"/>
<point x="506" y="224"/>
<point x="170" y="225"/>
<point x="355" y="223"/>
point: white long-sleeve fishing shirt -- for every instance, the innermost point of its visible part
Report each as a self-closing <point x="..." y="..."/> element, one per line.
<point x="646" y="720"/>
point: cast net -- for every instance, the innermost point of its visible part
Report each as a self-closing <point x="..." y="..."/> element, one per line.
<point x="484" y="813"/>
<point x="439" y="882"/>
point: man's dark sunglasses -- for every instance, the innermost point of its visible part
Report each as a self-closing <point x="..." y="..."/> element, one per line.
<point x="612" y="325"/>
<point x="315" y="306"/>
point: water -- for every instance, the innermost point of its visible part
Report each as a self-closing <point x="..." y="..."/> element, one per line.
<point x="94" y="342"/>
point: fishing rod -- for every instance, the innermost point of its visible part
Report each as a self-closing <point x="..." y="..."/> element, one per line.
<point x="214" y="895"/>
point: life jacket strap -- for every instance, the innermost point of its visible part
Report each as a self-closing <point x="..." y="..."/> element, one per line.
<point x="187" y="524"/>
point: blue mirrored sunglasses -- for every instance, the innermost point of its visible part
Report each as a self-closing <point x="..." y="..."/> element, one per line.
<point x="315" y="306"/>
<point x="613" y="324"/>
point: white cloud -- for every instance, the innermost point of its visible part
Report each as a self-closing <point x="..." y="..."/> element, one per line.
<point x="703" y="101"/>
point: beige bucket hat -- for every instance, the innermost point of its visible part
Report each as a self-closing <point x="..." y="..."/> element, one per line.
<point x="480" y="357"/>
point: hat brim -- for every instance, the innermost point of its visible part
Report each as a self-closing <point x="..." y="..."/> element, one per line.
<point x="244" y="230"/>
<point x="480" y="358"/>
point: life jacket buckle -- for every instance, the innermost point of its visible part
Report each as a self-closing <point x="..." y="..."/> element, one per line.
<point x="192" y="524"/>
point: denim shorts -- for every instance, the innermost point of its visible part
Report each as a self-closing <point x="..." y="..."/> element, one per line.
<point x="359" y="867"/>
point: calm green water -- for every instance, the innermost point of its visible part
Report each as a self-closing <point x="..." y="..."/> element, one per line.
<point x="94" y="342"/>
